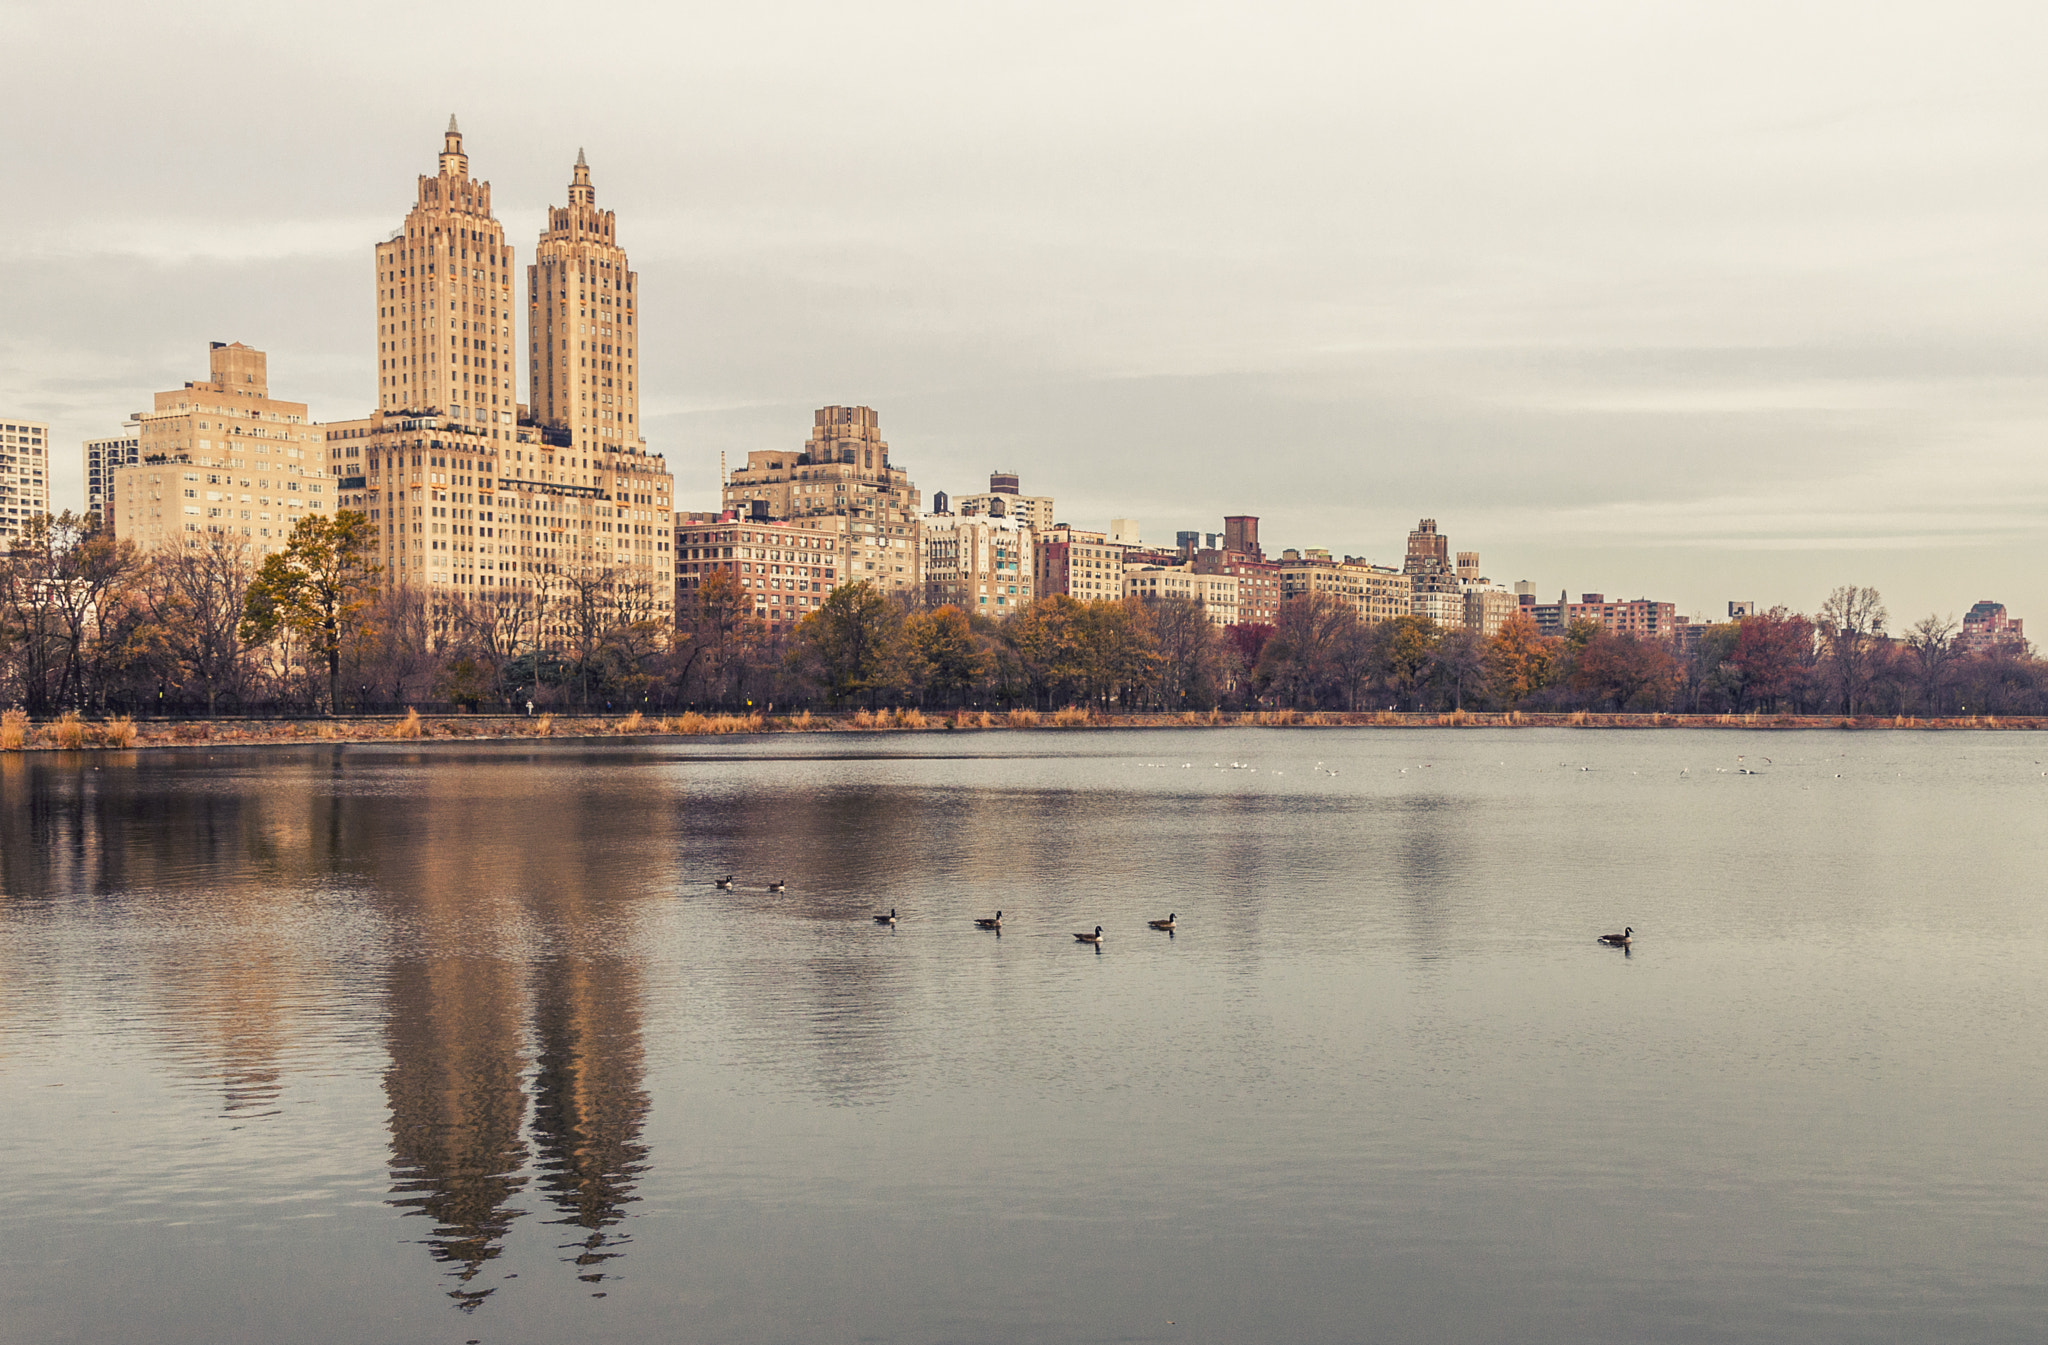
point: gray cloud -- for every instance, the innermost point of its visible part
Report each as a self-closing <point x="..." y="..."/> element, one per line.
<point x="1709" y="301"/>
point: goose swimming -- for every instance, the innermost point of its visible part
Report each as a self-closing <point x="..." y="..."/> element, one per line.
<point x="989" y="922"/>
<point x="724" y="884"/>
<point x="1620" y="940"/>
<point x="779" y="886"/>
<point x="1096" y="937"/>
<point x="1166" y="924"/>
<point x="888" y="919"/>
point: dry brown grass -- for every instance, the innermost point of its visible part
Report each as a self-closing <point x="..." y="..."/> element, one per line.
<point x="408" y="727"/>
<point x="1071" y="716"/>
<point x="544" y="727"/>
<point x="1578" y="719"/>
<point x="803" y="721"/>
<point x="911" y="718"/>
<point x="118" y="732"/>
<point x="1456" y="719"/>
<point x="13" y="731"/>
<point x="864" y="719"/>
<point x="1022" y="719"/>
<point x="1516" y="717"/>
<point x="70" y="731"/>
<point x="632" y="723"/>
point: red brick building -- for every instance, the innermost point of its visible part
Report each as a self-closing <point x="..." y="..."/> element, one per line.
<point x="786" y="567"/>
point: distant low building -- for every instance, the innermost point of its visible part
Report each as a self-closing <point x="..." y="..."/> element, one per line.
<point x="1216" y="592"/>
<point x="1986" y="626"/>
<point x="785" y="567"/>
<point x="1640" y="617"/>
<point x="1005" y="500"/>
<point x="1084" y="565"/>
<point x="978" y="564"/>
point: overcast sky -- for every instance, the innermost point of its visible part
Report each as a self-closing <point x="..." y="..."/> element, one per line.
<point x="1691" y="301"/>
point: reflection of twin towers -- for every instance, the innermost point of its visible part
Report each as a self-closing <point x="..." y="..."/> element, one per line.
<point x="473" y="1011"/>
<point x="459" y="1150"/>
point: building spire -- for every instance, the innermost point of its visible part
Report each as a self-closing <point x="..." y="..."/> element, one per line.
<point x="580" y="191"/>
<point x="454" y="163"/>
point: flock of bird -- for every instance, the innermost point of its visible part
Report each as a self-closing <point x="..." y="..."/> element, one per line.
<point x="1168" y="925"/>
<point x="994" y="922"/>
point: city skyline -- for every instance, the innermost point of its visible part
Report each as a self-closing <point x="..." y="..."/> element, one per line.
<point x="1775" y="331"/>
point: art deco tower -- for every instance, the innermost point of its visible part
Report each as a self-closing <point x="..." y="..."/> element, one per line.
<point x="584" y="323"/>
<point x="444" y="304"/>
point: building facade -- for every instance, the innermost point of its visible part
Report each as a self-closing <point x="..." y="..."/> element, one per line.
<point x="843" y="472"/>
<point x="978" y="563"/>
<point x="1375" y="592"/>
<point x="102" y="456"/>
<point x="1986" y="626"/>
<point x="1639" y="617"/>
<point x="1260" y="583"/>
<point x="1216" y="592"/>
<point x="222" y="457"/>
<point x="1084" y="565"/>
<point x="785" y="567"/>
<point x="469" y="495"/>
<point x="24" y="473"/>
<point x="1005" y="500"/>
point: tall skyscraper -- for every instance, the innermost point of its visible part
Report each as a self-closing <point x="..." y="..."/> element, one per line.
<point x="582" y="322"/>
<point x="444" y="303"/>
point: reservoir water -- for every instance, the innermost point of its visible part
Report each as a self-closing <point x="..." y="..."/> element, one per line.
<point x="451" y="1043"/>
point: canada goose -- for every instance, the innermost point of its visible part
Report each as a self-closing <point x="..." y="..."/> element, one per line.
<point x="781" y="885"/>
<point x="1096" y="937"/>
<point x="888" y="919"/>
<point x="985" y="922"/>
<point x="1166" y="924"/>
<point x="1620" y="940"/>
<point x="724" y="884"/>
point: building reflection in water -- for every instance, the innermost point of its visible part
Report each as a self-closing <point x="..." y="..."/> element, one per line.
<point x="588" y="1100"/>
<point x="516" y="963"/>
<point x="457" y="1107"/>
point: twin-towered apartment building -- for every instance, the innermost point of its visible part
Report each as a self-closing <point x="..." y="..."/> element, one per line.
<point x="470" y="492"/>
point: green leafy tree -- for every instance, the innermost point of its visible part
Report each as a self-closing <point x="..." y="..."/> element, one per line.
<point x="847" y="643"/>
<point x="317" y="587"/>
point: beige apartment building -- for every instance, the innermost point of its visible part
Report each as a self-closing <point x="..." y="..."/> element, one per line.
<point x="1082" y="564"/>
<point x="844" y="473"/>
<point x="977" y="563"/>
<point x="1004" y="500"/>
<point x="222" y="457"/>
<point x="102" y="456"/>
<point x="1375" y="592"/>
<point x="1218" y="593"/>
<point x="24" y="473"/>
<point x="469" y="495"/>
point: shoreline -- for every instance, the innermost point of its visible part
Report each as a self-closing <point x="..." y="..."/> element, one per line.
<point x="72" y="735"/>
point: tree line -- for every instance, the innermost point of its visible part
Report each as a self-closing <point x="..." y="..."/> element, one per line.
<point x="90" y="624"/>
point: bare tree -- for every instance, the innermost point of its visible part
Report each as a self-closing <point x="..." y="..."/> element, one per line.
<point x="1933" y="642"/>
<point x="198" y="591"/>
<point x="1851" y="621"/>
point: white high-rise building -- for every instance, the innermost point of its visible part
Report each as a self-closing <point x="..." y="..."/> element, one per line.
<point x="24" y="473"/>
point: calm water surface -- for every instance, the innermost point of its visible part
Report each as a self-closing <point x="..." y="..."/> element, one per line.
<point x="450" y="1044"/>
